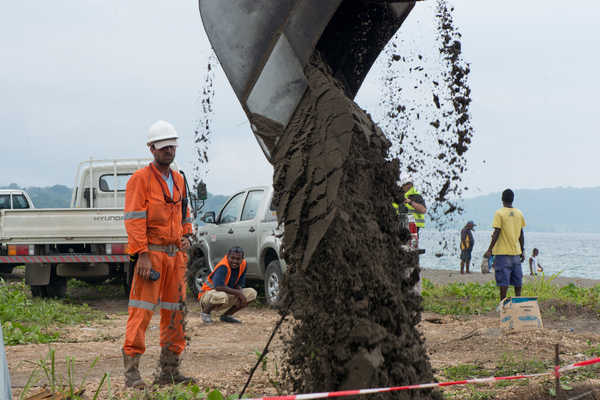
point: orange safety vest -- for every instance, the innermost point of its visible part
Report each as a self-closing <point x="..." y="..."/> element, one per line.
<point x="151" y="215"/>
<point x="209" y="285"/>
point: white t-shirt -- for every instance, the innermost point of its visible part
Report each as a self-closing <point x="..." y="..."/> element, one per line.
<point x="533" y="263"/>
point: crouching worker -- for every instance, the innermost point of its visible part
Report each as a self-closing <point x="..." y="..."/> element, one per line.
<point x="224" y="288"/>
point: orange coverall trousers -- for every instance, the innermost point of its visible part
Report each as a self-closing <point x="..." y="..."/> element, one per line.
<point x="170" y="288"/>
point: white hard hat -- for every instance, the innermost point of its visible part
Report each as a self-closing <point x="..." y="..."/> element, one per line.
<point x="162" y="134"/>
<point x="405" y="178"/>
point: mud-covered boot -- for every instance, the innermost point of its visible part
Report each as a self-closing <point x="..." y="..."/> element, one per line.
<point x="132" y="374"/>
<point x="169" y="370"/>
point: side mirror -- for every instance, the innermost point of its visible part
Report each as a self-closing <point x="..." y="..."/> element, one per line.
<point x="201" y="191"/>
<point x="209" y="217"/>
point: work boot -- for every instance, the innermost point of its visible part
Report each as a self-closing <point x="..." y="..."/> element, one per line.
<point x="169" y="370"/>
<point x="132" y="375"/>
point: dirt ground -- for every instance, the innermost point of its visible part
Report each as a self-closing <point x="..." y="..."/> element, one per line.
<point x="221" y="356"/>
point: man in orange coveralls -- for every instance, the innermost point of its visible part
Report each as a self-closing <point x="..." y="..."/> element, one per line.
<point x="159" y="233"/>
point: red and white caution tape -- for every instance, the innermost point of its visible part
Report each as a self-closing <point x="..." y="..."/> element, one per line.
<point x="340" y="393"/>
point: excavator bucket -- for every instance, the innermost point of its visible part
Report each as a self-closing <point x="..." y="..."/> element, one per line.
<point x="264" y="45"/>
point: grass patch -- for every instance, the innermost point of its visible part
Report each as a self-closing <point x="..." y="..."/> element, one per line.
<point x="510" y="365"/>
<point x="464" y="371"/>
<point x="469" y="298"/>
<point x="31" y="320"/>
<point x="459" y="298"/>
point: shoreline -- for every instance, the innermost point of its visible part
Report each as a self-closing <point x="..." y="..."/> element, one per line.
<point x="446" y="276"/>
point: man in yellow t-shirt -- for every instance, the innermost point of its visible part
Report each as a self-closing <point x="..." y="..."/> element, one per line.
<point x="507" y="245"/>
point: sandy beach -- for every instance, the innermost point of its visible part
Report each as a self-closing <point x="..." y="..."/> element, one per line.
<point x="444" y="276"/>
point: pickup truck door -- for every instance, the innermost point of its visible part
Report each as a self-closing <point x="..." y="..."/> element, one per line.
<point x="221" y="233"/>
<point x="247" y="232"/>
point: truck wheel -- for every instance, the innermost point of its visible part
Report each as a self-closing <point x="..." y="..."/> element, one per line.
<point x="57" y="287"/>
<point x="273" y="282"/>
<point x="7" y="268"/>
<point x="197" y="274"/>
<point x="38" y="291"/>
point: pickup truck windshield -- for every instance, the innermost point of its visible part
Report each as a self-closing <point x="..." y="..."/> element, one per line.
<point x="231" y="209"/>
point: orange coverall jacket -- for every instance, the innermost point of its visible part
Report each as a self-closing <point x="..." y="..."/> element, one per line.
<point x="153" y="216"/>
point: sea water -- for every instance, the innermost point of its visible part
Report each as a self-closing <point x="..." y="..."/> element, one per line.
<point x="576" y="254"/>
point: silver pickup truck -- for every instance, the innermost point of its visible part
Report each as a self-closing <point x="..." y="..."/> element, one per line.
<point x="249" y="220"/>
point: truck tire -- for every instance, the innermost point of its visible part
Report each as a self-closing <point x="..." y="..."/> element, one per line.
<point x="198" y="271"/>
<point x="7" y="268"/>
<point x="38" y="291"/>
<point x="56" y="288"/>
<point x="273" y="277"/>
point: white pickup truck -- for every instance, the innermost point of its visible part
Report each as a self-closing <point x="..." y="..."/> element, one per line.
<point x="87" y="241"/>
<point x="11" y="199"/>
<point x="14" y="198"/>
<point x="249" y="220"/>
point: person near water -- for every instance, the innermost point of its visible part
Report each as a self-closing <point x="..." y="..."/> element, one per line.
<point x="466" y="247"/>
<point x="224" y="288"/>
<point x="413" y="203"/>
<point x="507" y="245"/>
<point x="159" y="230"/>
<point x="534" y="265"/>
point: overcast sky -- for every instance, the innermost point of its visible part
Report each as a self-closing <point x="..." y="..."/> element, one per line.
<point x="81" y="79"/>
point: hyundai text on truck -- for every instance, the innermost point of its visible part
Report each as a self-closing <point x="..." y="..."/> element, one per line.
<point x="87" y="241"/>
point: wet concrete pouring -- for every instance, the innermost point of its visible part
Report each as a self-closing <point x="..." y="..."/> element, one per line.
<point x="351" y="300"/>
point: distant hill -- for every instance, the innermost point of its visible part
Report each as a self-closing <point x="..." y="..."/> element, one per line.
<point x="561" y="209"/>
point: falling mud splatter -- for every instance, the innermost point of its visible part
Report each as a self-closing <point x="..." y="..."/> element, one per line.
<point x="201" y="142"/>
<point x="428" y="119"/>
<point x="203" y="131"/>
<point x="349" y="284"/>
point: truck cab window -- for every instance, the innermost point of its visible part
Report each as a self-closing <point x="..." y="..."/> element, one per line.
<point x="252" y="204"/>
<point x="272" y="212"/>
<point x="107" y="182"/>
<point x="4" y="201"/>
<point x="231" y="210"/>
<point x="20" y="202"/>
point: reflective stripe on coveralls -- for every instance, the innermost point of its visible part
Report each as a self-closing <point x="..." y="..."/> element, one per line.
<point x="209" y="284"/>
<point x="150" y="218"/>
<point x="135" y="214"/>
